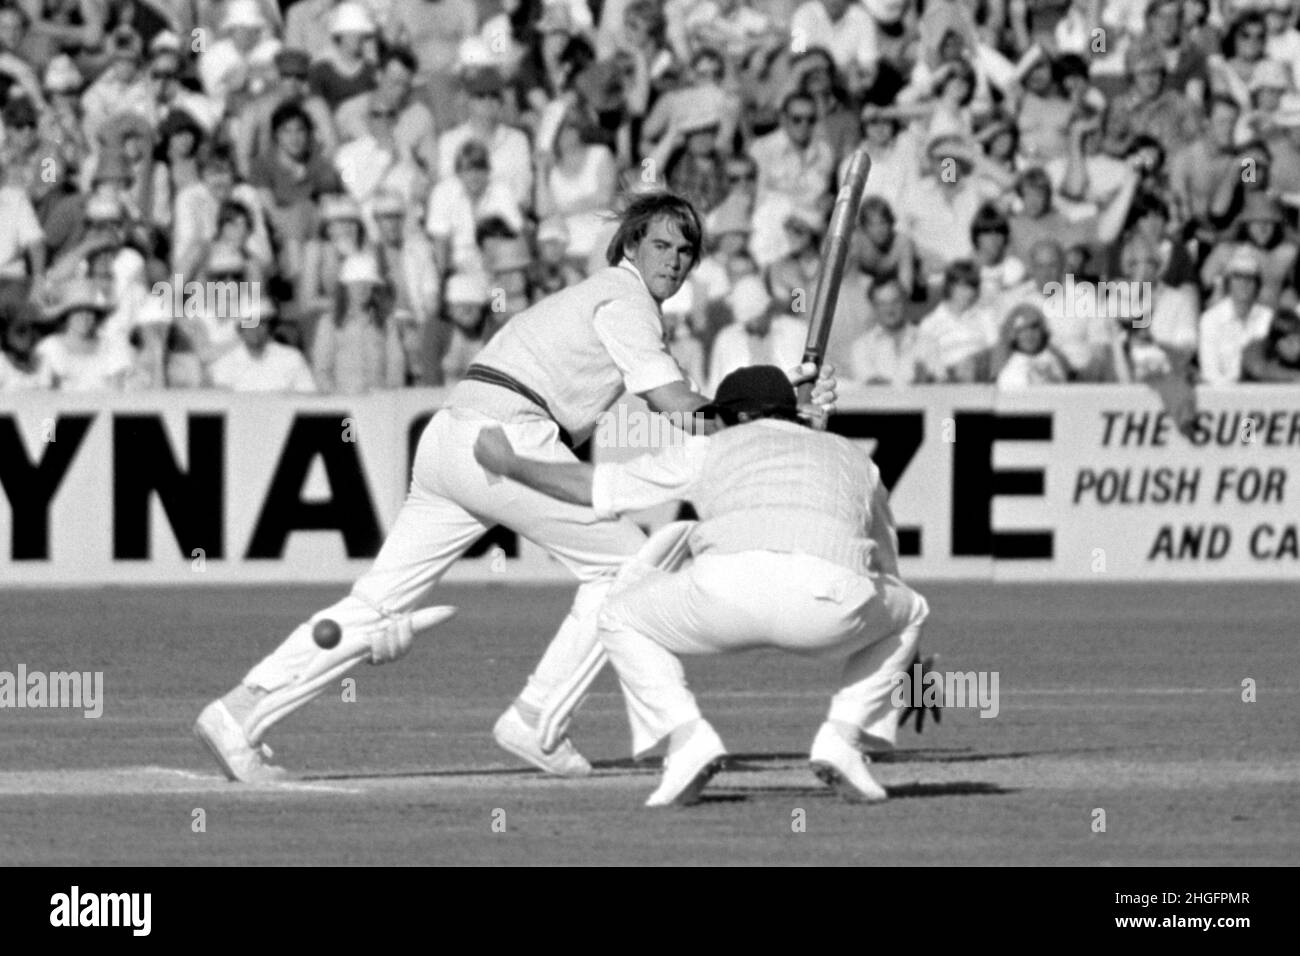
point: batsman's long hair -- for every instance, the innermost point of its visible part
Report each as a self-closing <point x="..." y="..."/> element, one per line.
<point x="644" y="208"/>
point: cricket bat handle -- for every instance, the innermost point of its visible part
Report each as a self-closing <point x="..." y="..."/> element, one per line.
<point x="835" y="254"/>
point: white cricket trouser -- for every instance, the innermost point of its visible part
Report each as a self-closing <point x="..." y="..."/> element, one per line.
<point x="451" y="503"/>
<point x="734" y="602"/>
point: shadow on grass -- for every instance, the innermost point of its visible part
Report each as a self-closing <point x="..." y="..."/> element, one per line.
<point x="901" y="791"/>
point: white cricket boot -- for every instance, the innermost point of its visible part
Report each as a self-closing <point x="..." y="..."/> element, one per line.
<point x="512" y="733"/>
<point x="842" y="767"/>
<point x="689" y="767"/>
<point x="222" y="734"/>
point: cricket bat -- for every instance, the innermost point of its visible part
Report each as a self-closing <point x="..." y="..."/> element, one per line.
<point x="835" y="252"/>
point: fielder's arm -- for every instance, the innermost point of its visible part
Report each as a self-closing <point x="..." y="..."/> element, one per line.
<point x="567" y="481"/>
<point x="609" y="488"/>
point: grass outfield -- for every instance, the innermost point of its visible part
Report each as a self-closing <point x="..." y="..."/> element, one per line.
<point x="1123" y="698"/>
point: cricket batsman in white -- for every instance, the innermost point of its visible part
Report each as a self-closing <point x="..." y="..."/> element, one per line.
<point x="795" y="548"/>
<point x="544" y="380"/>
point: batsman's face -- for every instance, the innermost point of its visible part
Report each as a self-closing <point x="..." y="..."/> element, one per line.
<point x="663" y="257"/>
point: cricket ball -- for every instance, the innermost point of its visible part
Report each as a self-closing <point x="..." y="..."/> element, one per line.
<point x="326" y="633"/>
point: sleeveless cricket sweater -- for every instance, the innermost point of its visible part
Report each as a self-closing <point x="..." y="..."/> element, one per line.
<point x="778" y="486"/>
<point x="552" y="347"/>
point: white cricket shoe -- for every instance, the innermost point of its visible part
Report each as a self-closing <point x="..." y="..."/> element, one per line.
<point x="689" y="769"/>
<point x="843" y="768"/>
<point x="225" y="739"/>
<point x="512" y="733"/>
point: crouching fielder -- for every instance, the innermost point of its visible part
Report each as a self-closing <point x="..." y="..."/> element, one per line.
<point x="795" y="548"/>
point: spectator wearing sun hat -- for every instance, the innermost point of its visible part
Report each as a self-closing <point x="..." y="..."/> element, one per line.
<point x="407" y="258"/>
<point x="79" y="358"/>
<point x="510" y="265"/>
<point x="345" y="68"/>
<point x="793" y="278"/>
<point x="167" y="72"/>
<point x="101" y="251"/>
<point x="1149" y="106"/>
<point x="695" y="166"/>
<point x="60" y="122"/>
<point x="307" y="25"/>
<point x="358" y="347"/>
<point x="122" y="87"/>
<point x="467" y="297"/>
<point x="1260" y="228"/>
<point x="728" y="229"/>
<point x="341" y="234"/>
<point x="1271" y="86"/>
<point x="1238" y="319"/>
<point x="246" y="44"/>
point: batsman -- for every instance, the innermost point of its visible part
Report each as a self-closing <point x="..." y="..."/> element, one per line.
<point x="545" y="379"/>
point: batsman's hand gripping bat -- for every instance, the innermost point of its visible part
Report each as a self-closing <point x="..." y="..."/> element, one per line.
<point x="834" y="254"/>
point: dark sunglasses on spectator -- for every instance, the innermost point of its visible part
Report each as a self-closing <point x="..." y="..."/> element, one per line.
<point x="1252" y="34"/>
<point x="738" y="176"/>
<point x="383" y="114"/>
<point x="801" y="119"/>
<point x="22" y="124"/>
<point x="163" y="74"/>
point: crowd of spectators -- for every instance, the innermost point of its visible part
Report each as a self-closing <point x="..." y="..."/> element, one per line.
<point x="357" y="195"/>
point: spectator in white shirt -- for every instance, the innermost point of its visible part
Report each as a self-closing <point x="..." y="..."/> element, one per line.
<point x="846" y="29"/>
<point x="757" y="336"/>
<point x="1283" y="43"/>
<point x="226" y="67"/>
<point x="990" y="234"/>
<point x="459" y="203"/>
<point x="1174" y="311"/>
<point x="22" y="245"/>
<point x="260" y="364"/>
<point x="1229" y="327"/>
<point x="888" y="353"/>
<point x="1074" y="319"/>
<point x="375" y="161"/>
<point x="512" y="155"/>
<point x="938" y="211"/>
<point x="78" y="357"/>
<point x="895" y="156"/>
<point x="794" y="169"/>
<point x="959" y="335"/>
<point x="1032" y="359"/>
